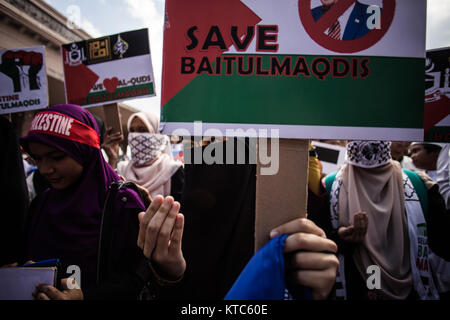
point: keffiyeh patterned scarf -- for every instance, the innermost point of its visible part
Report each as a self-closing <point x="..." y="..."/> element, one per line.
<point x="146" y="147"/>
<point x="369" y="154"/>
<point x="152" y="164"/>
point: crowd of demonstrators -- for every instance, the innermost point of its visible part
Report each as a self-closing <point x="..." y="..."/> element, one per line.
<point x="219" y="205"/>
<point x="426" y="159"/>
<point x="152" y="254"/>
<point x="129" y="246"/>
<point x="424" y="156"/>
<point x="123" y="243"/>
<point x="381" y="215"/>
<point x="400" y="153"/>
<point x="433" y="159"/>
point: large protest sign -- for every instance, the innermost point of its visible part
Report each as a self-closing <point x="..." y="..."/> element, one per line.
<point x="108" y="69"/>
<point x="437" y="96"/>
<point x="23" y="80"/>
<point x="276" y="64"/>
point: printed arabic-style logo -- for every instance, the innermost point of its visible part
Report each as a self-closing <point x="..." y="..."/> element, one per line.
<point x="99" y="50"/>
<point x="75" y="56"/>
<point x="120" y="47"/>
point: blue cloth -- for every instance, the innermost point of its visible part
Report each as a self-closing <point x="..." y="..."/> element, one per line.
<point x="263" y="276"/>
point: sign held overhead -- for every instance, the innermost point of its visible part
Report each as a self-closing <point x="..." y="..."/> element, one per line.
<point x="311" y="69"/>
<point x="108" y="69"/>
<point x="23" y="80"/>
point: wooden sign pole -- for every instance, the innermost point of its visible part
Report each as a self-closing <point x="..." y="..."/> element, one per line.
<point x="112" y="117"/>
<point x="282" y="197"/>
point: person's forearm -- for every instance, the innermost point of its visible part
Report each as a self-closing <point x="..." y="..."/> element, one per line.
<point x="113" y="162"/>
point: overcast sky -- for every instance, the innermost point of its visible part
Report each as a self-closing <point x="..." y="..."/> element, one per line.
<point x="104" y="17"/>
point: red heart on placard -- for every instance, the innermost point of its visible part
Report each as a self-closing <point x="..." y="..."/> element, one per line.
<point x="111" y="84"/>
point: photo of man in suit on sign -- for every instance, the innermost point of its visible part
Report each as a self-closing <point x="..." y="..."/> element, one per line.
<point x="354" y="23"/>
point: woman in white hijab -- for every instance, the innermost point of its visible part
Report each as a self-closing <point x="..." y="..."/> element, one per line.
<point x="151" y="165"/>
<point x="387" y="237"/>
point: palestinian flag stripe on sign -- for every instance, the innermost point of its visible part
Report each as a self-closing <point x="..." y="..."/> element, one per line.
<point x="211" y="75"/>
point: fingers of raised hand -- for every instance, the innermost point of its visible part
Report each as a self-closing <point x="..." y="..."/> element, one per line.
<point x="360" y="221"/>
<point x="115" y="138"/>
<point x="320" y="281"/>
<point x="145" y="217"/>
<point x="11" y="265"/>
<point x="112" y="137"/>
<point x="165" y="232"/>
<point x="64" y="284"/>
<point x="346" y="232"/>
<point x="108" y="132"/>
<point x="46" y="292"/>
<point x="308" y="242"/>
<point x="40" y="296"/>
<point x="168" y="254"/>
<point x="177" y="234"/>
<point x="68" y="284"/>
<point x="153" y="226"/>
<point x="298" y="225"/>
<point x="312" y="261"/>
<point x="316" y="270"/>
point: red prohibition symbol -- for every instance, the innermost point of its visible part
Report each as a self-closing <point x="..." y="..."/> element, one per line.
<point x="316" y="29"/>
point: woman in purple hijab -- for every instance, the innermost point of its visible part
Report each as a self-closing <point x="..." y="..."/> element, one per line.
<point x="65" y="221"/>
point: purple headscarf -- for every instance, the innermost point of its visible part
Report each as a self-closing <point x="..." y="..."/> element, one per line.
<point x="66" y="223"/>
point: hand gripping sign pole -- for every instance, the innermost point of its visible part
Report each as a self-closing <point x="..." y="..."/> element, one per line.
<point x="281" y="197"/>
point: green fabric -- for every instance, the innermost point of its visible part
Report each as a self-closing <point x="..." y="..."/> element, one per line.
<point x="304" y="100"/>
<point x="420" y="188"/>
<point x="329" y="179"/>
